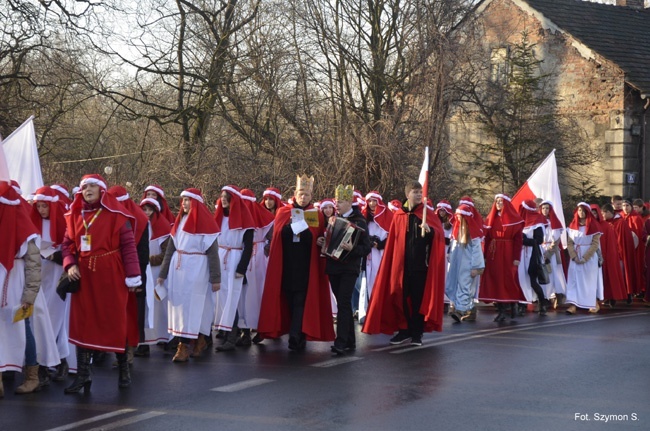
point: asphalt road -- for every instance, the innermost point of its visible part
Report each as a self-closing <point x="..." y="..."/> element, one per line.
<point x="557" y="372"/>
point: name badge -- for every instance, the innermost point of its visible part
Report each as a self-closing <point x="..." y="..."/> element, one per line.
<point x="85" y="243"/>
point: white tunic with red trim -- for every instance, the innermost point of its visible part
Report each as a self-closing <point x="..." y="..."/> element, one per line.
<point x="251" y="299"/>
<point x="191" y="300"/>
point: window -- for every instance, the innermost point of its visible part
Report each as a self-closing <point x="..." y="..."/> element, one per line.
<point x="499" y="65"/>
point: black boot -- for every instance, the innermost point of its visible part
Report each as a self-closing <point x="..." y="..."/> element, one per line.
<point x="61" y="371"/>
<point x="125" y="373"/>
<point x="230" y="341"/>
<point x="543" y="306"/>
<point x="83" y="379"/>
<point x="245" y="339"/>
<point x="502" y="313"/>
<point x="43" y="376"/>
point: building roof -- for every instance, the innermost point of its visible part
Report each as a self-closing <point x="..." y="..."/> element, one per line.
<point x="620" y="34"/>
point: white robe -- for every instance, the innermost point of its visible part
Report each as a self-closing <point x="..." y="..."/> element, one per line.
<point x="585" y="281"/>
<point x="231" y="242"/>
<point x="524" y="263"/>
<point x="191" y="300"/>
<point x="251" y="296"/>
<point x="50" y="275"/>
<point x="157" y="312"/>
<point x="558" y="282"/>
<point x="373" y="260"/>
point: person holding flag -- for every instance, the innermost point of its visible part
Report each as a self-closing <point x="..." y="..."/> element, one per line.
<point x="409" y="291"/>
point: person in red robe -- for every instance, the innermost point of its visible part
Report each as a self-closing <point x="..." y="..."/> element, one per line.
<point x="156" y="192"/>
<point x="408" y="296"/>
<point x="635" y="221"/>
<point x="625" y="241"/>
<point x="296" y="298"/>
<point x="613" y="281"/>
<point x="99" y="252"/>
<point x="503" y="245"/>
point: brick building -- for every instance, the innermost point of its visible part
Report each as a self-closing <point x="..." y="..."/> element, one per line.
<point x="600" y="58"/>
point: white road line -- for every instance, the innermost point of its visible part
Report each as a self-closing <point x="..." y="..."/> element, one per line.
<point x="337" y="361"/>
<point x="128" y="421"/>
<point x="91" y="420"/>
<point x="241" y="385"/>
<point x="498" y="331"/>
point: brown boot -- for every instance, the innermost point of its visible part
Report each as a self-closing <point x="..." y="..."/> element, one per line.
<point x="31" y="382"/>
<point x="199" y="346"/>
<point x="182" y="353"/>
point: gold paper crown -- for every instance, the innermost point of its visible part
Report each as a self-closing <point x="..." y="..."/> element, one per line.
<point x="304" y="183"/>
<point x="344" y="193"/>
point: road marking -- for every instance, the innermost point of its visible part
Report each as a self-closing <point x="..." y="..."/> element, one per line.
<point x="91" y="420"/>
<point x="241" y="385"/>
<point x="337" y="361"/>
<point x="498" y="331"/>
<point x="129" y="421"/>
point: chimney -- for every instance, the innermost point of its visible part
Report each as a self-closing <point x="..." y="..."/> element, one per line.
<point x="632" y="4"/>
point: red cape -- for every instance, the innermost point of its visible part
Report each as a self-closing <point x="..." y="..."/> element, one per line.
<point x="500" y="281"/>
<point x="385" y="313"/>
<point x="626" y="249"/>
<point x="613" y="281"/>
<point x="635" y="222"/>
<point x="275" y="319"/>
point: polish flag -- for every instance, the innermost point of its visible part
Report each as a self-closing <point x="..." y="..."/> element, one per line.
<point x="543" y="184"/>
<point x="21" y="152"/>
<point x="424" y="174"/>
<point x="5" y="179"/>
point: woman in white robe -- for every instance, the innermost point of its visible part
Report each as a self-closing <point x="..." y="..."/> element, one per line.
<point x="191" y="268"/>
<point x="235" y="232"/>
<point x="552" y="249"/>
<point x="585" y="281"/>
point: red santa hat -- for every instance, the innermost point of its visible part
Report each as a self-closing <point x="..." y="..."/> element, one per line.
<point x="160" y="226"/>
<point x="382" y="216"/>
<point x="239" y="217"/>
<point x="394" y="205"/>
<point x="26" y="206"/>
<point x="474" y="224"/>
<point x="15" y="229"/>
<point x="56" y="218"/>
<point x="509" y="215"/>
<point x="164" y="206"/>
<point x="261" y="217"/>
<point x="592" y="225"/>
<point x="327" y="202"/>
<point x="108" y="201"/>
<point x="274" y="194"/>
<point x="552" y="217"/>
<point x="444" y="205"/>
<point x="357" y="199"/>
<point x="141" y="219"/>
<point x="199" y="220"/>
<point x="64" y="195"/>
<point x="532" y="217"/>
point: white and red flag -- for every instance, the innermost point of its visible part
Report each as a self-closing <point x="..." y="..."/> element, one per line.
<point x="21" y="153"/>
<point x="5" y="178"/>
<point x="424" y="174"/>
<point x="543" y="184"/>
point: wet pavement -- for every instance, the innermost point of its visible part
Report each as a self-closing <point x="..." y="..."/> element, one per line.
<point x="558" y="372"/>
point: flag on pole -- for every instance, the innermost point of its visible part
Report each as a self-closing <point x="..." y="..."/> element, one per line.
<point x="424" y="174"/>
<point x="543" y="184"/>
<point x="21" y="153"/>
<point x="5" y="178"/>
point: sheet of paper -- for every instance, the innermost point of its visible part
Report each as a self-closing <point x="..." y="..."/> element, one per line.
<point x="300" y="226"/>
<point x="160" y="292"/>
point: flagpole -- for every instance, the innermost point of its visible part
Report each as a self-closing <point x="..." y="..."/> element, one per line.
<point x="424" y="216"/>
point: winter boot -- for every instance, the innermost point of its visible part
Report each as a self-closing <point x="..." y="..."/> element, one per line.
<point x="502" y="312"/>
<point x="199" y="346"/>
<point x="83" y="379"/>
<point x="230" y="341"/>
<point x="124" y="380"/>
<point x="245" y="339"/>
<point x="61" y="371"/>
<point x="43" y="376"/>
<point x="31" y="382"/>
<point x="182" y="353"/>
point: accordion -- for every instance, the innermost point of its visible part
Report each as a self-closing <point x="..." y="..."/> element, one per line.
<point x="339" y="231"/>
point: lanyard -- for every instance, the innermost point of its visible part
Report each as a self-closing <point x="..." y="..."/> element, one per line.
<point x="92" y="220"/>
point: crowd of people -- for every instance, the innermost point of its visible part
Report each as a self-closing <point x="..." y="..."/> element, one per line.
<point x="99" y="273"/>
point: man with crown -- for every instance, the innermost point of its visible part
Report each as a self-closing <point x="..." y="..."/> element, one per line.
<point x="296" y="297"/>
<point x="343" y="272"/>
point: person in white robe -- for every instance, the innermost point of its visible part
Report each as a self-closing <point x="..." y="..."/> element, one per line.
<point x="555" y="291"/>
<point x="235" y="232"/>
<point x="191" y="268"/>
<point x="585" y="280"/>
